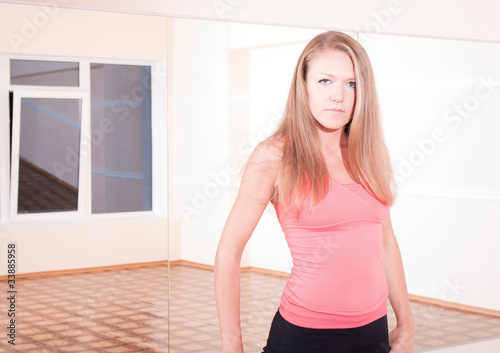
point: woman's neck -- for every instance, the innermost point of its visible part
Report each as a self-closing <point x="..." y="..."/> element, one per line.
<point x="333" y="141"/>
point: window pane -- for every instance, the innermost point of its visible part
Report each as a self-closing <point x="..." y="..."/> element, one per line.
<point x="49" y="154"/>
<point x="121" y="138"/>
<point x="43" y="73"/>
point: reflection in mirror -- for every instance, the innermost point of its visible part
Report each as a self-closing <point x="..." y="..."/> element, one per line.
<point x="229" y="83"/>
<point x="87" y="98"/>
<point x="44" y="73"/>
<point x="48" y="129"/>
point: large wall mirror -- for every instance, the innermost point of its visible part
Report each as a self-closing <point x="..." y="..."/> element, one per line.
<point x="110" y="274"/>
<point x="440" y="101"/>
<point x="83" y="171"/>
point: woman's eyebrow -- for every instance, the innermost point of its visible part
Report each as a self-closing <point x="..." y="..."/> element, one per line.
<point x="333" y="76"/>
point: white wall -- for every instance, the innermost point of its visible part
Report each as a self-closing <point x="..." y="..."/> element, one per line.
<point x="199" y="111"/>
<point x="446" y="212"/>
<point x="442" y="128"/>
<point x="58" y="31"/>
<point x="54" y="247"/>
<point x="467" y="19"/>
<point x="95" y="241"/>
<point x="271" y="74"/>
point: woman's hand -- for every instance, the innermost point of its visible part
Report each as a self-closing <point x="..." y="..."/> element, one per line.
<point x="402" y="339"/>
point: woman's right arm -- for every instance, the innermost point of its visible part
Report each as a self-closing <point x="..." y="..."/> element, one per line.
<point x="256" y="190"/>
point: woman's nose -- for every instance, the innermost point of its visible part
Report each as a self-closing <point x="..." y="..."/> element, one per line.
<point x="337" y="94"/>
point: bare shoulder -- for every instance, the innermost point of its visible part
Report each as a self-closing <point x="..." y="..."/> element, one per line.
<point x="268" y="152"/>
<point x="261" y="171"/>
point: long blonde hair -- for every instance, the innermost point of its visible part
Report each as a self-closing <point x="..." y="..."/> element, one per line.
<point x="303" y="173"/>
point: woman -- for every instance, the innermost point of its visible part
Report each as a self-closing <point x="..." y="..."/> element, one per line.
<point x="327" y="171"/>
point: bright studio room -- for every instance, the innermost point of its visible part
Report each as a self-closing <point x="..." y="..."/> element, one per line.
<point x="125" y="129"/>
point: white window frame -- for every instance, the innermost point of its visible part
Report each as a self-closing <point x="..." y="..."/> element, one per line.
<point x="83" y="163"/>
<point x="159" y="140"/>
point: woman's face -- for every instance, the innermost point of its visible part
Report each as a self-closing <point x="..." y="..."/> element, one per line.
<point x="330" y="84"/>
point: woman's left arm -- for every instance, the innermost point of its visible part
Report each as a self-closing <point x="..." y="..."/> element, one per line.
<point x="403" y="336"/>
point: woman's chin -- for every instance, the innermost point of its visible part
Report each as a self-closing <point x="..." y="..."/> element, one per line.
<point x="330" y="128"/>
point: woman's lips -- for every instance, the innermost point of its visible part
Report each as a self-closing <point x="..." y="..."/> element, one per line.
<point x="334" y="110"/>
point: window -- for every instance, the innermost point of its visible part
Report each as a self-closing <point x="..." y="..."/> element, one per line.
<point x="44" y="73"/>
<point x="121" y="138"/>
<point x="79" y="146"/>
<point x="49" y="131"/>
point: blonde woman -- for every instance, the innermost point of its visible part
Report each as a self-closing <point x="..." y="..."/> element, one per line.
<point x="327" y="172"/>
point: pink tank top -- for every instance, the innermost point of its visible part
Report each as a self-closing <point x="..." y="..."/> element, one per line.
<point x="337" y="279"/>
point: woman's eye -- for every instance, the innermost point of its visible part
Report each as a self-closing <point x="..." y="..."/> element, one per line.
<point x="352" y="84"/>
<point x="325" y="81"/>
